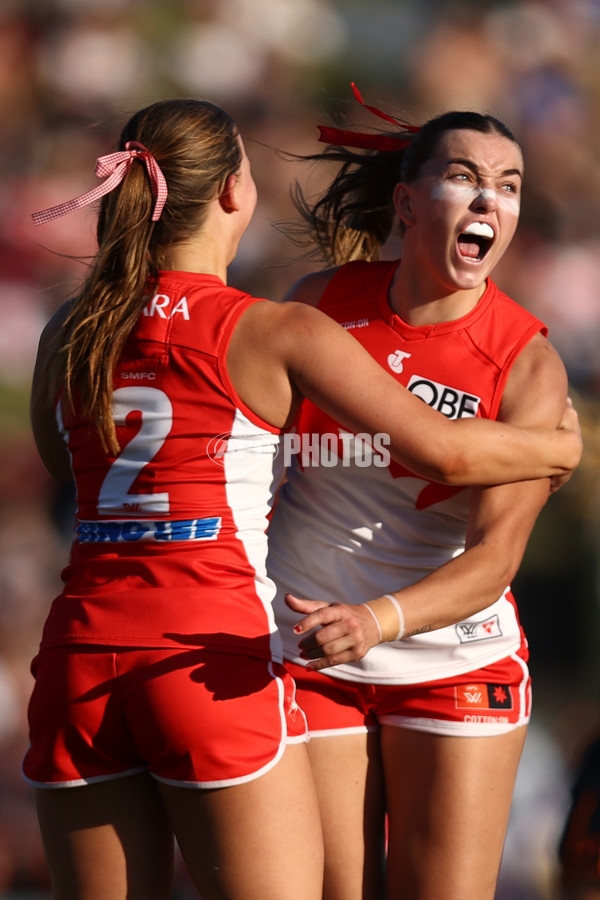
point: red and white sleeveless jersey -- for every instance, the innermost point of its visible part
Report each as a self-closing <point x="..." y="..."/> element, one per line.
<point x="351" y="524"/>
<point x="171" y="545"/>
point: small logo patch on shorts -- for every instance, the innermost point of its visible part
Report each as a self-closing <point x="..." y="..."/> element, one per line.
<point x="483" y="696"/>
<point x="479" y="631"/>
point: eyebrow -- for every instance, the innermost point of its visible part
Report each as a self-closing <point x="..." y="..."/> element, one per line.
<point x="474" y="168"/>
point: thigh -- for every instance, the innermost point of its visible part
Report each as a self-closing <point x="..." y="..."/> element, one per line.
<point x="261" y="839"/>
<point x="347" y="772"/>
<point x="345" y="759"/>
<point x="109" y="839"/>
<point x="448" y="803"/>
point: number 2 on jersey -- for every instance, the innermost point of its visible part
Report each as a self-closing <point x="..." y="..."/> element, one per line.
<point x="157" y="421"/>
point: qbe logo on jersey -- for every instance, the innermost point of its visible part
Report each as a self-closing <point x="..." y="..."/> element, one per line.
<point x="454" y="404"/>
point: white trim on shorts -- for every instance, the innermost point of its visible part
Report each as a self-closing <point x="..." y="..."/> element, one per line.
<point x="336" y="732"/>
<point x="80" y="782"/>
<point x="300" y="739"/>
<point x="454" y="729"/>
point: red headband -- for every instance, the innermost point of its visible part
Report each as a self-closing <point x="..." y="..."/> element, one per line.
<point x="113" y="167"/>
<point x="367" y="141"/>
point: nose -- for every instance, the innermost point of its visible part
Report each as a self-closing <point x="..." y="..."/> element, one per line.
<point x="485" y="199"/>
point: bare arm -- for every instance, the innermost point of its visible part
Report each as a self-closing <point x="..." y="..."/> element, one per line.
<point x="282" y="352"/>
<point x="50" y="444"/>
<point x="500" y="522"/>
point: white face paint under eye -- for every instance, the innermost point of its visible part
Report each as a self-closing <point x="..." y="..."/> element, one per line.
<point x="464" y="193"/>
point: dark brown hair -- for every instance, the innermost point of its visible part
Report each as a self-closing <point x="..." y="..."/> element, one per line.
<point x="354" y="216"/>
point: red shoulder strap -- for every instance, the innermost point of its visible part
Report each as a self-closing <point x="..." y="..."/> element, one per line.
<point x="354" y="280"/>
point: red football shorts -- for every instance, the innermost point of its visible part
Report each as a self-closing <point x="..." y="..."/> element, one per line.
<point x="487" y="701"/>
<point x="190" y="717"/>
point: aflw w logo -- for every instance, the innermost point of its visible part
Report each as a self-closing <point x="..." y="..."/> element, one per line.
<point x="478" y="631"/>
<point x="472" y="694"/>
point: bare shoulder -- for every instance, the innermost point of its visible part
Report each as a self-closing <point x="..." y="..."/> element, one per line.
<point x="277" y="352"/>
<point x="50" y="444"/>
<point x="288" y="336"/>
<point x="52" y="328"/>
<point x="537" y="385"/>
<point x="310" y="288"/>
<point x="539" y="359"/>
<point x="56" y="321"/>
<point x="269" y="325"/>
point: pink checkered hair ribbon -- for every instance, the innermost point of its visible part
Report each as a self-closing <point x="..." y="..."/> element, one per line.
<point x="113" y="167"/>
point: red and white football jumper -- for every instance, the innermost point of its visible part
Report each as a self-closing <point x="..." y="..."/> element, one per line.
<point x="366" y="526"/>
<point x="171" y="544"/>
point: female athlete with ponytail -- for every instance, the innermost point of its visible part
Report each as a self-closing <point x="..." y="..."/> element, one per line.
<point x="160" y="703"/>
<point x="400" y="627"/>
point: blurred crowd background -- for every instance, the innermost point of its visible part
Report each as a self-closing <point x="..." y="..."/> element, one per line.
<point x="72" y="71"/>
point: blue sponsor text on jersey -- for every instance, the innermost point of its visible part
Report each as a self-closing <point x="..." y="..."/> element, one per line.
<point x="163" y="531"/>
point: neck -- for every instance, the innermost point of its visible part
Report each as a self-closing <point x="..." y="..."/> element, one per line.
<point x="417" y="304"/>
<point x="198" y="257"/>
<point x="209" y="250"/>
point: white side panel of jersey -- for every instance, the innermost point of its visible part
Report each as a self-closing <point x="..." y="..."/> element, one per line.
<point x="253" y="470"/>
<point x="360" y="534"/>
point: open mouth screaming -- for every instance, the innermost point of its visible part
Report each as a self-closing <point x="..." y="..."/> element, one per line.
<point x="475" y="241"/>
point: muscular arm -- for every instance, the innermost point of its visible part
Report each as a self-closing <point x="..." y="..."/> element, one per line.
<point x="500" y="522"/>
<point x="49" y="442"/>
<point x="282" y="352"/>
<point x="502" y="517"/>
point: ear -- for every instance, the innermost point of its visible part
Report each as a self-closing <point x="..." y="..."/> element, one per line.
<point x="403" y="204"/>
<point x="228" y="199"/>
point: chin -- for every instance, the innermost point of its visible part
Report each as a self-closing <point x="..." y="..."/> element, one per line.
<point x="469" y="281"/>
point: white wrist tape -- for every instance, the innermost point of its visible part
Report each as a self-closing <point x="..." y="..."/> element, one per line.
<point x="401" y="628"/>
<point x="376" y="620"/>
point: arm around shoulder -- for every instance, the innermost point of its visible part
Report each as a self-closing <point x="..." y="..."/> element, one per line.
<point x="538" y="439"/>
<point x="304" y="353"/>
